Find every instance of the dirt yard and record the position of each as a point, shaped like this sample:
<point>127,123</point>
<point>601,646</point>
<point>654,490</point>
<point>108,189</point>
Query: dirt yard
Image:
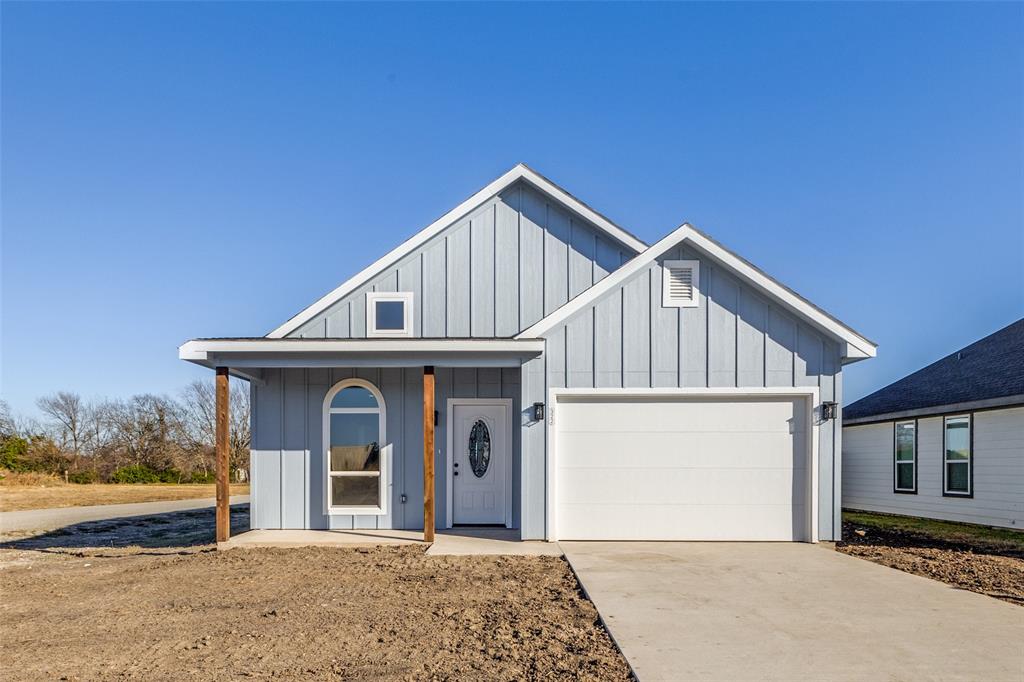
<point>975,558</point>
<point>17,497</point>
<point>161,612</point>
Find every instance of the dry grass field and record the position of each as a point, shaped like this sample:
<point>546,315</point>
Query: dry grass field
<point>50,492</point>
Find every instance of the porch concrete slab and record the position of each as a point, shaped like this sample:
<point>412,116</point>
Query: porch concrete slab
<point>311,538</point>
<point>781,611</point>
<point>489,541</point>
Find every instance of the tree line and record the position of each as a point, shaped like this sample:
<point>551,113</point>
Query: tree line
<point>143,439</point>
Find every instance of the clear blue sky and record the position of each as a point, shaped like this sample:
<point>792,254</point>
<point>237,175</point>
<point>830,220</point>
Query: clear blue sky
<point>180,170</point>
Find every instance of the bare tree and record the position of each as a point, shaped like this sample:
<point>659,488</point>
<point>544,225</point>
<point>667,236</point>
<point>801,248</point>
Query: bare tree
<point>67,414</point>
<point>199,409</point>
<point>7,427</point>
<point>147,429</point>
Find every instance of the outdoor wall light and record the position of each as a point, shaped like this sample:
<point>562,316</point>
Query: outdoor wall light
<point>828,410</point>
<point>538,412</point>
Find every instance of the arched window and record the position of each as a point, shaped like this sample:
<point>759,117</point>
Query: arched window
<point>354,434</point>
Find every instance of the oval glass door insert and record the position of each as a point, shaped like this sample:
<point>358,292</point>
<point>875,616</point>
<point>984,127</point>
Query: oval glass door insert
<point>479,448</point>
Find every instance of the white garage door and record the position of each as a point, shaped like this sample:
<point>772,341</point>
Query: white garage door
<point>681,468</point>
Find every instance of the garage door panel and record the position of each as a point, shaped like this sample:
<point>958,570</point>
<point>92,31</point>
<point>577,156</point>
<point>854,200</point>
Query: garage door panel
<point>646,415</point>
<point>678,486</point>
<point>680,449</point>
<point>681,469</point>
<point>716,486</point>
<point>683,522</point>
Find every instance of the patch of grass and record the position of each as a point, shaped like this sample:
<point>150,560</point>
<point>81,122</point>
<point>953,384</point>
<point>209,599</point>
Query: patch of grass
<point>949,531</point>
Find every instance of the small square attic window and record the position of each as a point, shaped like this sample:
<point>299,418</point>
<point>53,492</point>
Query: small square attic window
<point>388,314</point>
<point>680,283</point>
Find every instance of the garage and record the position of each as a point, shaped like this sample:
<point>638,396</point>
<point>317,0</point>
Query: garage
<point>684,465</point>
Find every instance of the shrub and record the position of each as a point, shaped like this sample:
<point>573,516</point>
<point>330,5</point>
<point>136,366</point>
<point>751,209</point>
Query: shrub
<point>137,473</point>
<point>88,476</point>
<point>13,454</point>
<point>201,477</point>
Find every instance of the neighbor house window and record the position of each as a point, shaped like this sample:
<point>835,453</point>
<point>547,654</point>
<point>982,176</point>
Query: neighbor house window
<point>957,458</point>
<point>354,430</point>
<point>905,454</point>
<point>389,314</point>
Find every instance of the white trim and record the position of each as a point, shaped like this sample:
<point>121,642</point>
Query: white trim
<point>520,172</point>
<point>374,297</point>
<point>666,283</point>
<point>861,347</point>
<point>385,448</point>
<point>896,461</point>
<point>810,393</point>
<point>449,444</point>
<point>201,349</point>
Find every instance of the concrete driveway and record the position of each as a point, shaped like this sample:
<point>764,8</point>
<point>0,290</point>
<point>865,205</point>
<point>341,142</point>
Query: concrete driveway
<point>780,611</point>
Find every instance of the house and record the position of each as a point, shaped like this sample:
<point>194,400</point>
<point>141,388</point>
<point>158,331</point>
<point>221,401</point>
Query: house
<point>525,362</point>
<point>946,442</point>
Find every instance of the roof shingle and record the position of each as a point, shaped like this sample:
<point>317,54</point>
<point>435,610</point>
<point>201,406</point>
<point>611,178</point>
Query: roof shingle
<point>992,367</point>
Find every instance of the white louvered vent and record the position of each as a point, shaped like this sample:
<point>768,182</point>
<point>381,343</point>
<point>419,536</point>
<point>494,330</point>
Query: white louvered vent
<point>680,283</point>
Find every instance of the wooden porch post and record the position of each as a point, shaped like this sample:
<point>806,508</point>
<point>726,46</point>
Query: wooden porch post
<point>223,466</point>
<point>428,454</point>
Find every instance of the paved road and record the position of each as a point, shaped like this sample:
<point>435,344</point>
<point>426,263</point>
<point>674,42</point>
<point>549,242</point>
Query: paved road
<point>49,519</point>
<point>791,611</point>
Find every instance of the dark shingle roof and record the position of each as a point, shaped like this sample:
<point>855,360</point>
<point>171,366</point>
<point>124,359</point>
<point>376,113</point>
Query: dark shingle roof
<point>990,368</point>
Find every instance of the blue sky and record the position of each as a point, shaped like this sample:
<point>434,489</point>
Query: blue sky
<point>180,170</point>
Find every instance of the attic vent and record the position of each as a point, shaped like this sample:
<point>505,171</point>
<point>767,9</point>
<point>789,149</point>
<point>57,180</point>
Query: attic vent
<point>680,283</point>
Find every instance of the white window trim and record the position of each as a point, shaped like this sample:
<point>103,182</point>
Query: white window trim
<point>372,298</point>
<point>666,276</point>
<point>969,462</point>
<point>896,462</point>
<point>385,450</point>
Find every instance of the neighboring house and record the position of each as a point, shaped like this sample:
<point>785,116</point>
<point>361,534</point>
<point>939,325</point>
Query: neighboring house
<point>946,442</point>
<point>586,386</point>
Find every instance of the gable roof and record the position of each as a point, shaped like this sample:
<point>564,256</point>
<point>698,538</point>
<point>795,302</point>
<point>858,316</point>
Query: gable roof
<point>520,172</point>
<point>990,369</point>
<point>857,346</point>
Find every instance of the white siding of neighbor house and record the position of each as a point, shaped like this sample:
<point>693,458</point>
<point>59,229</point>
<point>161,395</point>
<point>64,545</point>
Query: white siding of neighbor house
<point>998,471</point>
<point>492,273</point>
<point>287,456</point>
<point>734,337</point>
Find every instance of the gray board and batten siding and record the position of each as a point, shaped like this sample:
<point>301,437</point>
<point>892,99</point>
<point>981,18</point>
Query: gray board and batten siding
<point>734,338</point>
<point>480,278</point>
<point>287,462</point>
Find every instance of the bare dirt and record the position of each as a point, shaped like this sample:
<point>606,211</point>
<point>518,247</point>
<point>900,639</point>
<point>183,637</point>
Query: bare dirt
<point>994,569</point>
<point>60,494</point>
<point>75,612</point>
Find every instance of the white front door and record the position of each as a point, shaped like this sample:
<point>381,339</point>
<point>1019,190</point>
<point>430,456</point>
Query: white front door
<point>479,463</point>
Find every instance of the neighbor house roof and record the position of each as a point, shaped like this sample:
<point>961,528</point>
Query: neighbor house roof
<point>521,172</point>
<point>856,346</point>
<point>987,373</point>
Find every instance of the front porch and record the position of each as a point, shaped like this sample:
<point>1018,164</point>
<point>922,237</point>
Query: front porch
<point>318,464</point>
<point>448,542</point>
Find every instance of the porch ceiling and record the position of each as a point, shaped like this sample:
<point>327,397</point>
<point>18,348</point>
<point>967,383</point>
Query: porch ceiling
<point>256,353</point>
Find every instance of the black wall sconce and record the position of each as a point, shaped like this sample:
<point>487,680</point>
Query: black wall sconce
<point>829,410</point>
<point>538,412</point>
